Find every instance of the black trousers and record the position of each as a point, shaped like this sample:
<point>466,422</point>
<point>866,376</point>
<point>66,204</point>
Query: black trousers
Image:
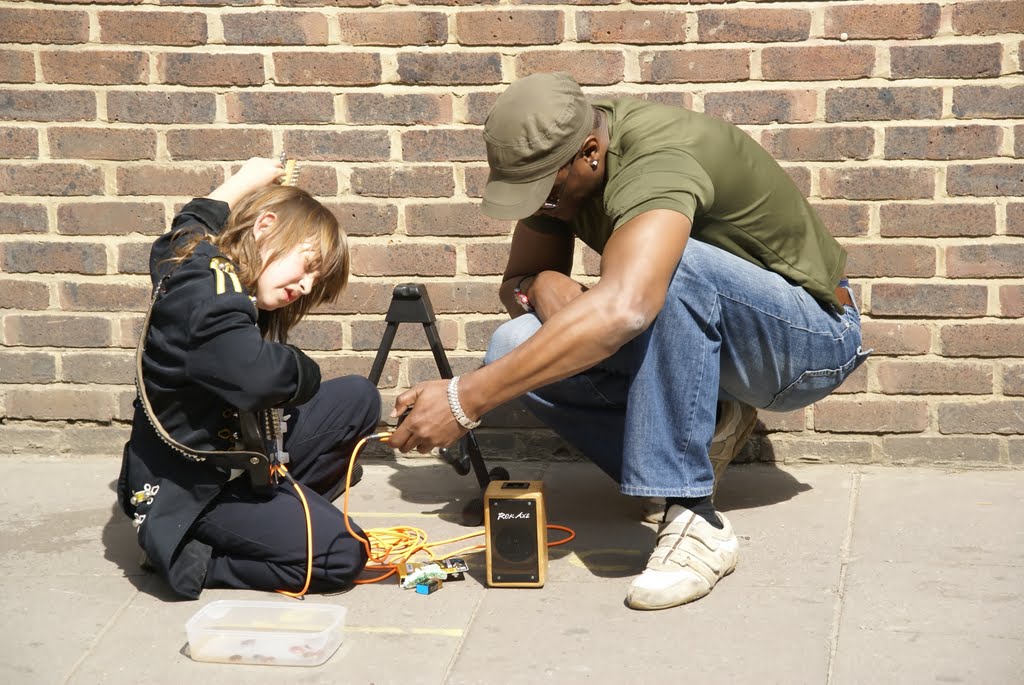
<point>260,543</point>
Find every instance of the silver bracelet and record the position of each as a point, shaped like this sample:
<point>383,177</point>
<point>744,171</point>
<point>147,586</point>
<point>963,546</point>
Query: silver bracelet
<point>456,407</point>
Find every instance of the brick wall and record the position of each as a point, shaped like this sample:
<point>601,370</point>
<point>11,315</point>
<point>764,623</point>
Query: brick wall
<point>903,121</point>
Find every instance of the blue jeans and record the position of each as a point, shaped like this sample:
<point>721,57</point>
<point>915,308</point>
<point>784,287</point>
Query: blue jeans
<point>729,330</point>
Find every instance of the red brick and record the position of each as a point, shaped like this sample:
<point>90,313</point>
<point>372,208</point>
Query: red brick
<point>590,260</point>
<point>20,294</point>
<point>402,110</point>
<point>1011,301</point>
<point>51,178</point>
<point>111,218</point>
<point>275,28</point>
<point>988,102</point>
<point>801,177</point>
<point>444,69</point>
<point>487,259</point>
<point>986,179</point>
<point>95,67</point>
<point>327,68</point>
<point>928,300</point>
<point>362,218</point>
<point>319,334</point>
<point>336,366</point>
<point>349,146</point>
<point>880,104</point>
<point>18,143</point>
<point>844,219</point>
<point>224,143</point>
<point>933,220</point>
<point>945,61</point>
<point>817,63</point>
<point>361,298</point>
<point>48,258</point>
<point>466,297</point>
<point>1015,218</point>
<point>161,108</point>
<point>672,98</point>
<point>60,403</point>
<point>1001,417</point>
<point>18,217</point>
<point>66,105</point>
<point>195,69</point>
<point>292,107</point>
<point>985,261</point>
<point>878,183</point>
<point>911,21</point>
<point>988,17</point>
<point>17,66</point>
<point>452,219</point>
<point>443,145</point>
<point>103,297</point>
<point>133,258</point>
<point>1016,448</point>
<point>153,28</point>
<point>1013,379</point>
<point>102,143</point>
<point>28,367</point>
<point>478,333</point>
<point>700,65</point>
<point>403,259</point>
<point>916,449</point>
<point>149,179</point>
<point>476,178</point>
<point>781,422</point>
<point>43,26</point>
<point>896,377</point>
<point>879,260</point>
<point>982,340</point>
<point>894,338</point>
<point>828,450</point>
<point>1018,142</point>
<point>755,25</point>
<point>425,369</point>
<point>819,144</point>
<point>127,330</point>
<point>366,335</point>
<point>857,382</point>
<point>47,330</point>
<point>405,181</point>
<point>589,67</point>
<point>763,107</point>
<point>844,415</point>
<point>643,27</point>
<point>510,27</point>
<point>394,27</point>
<point>942,142</point>
<point>109,368</point>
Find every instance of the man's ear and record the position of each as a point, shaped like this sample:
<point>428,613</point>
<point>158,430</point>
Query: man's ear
<point>263,223</point>
<point>591,147</point>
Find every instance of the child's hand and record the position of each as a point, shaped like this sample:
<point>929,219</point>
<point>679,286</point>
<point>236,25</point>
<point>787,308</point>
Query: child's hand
<point>256,173</point>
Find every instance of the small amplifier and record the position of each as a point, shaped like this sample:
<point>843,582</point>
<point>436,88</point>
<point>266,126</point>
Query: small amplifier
<point>516,528</point>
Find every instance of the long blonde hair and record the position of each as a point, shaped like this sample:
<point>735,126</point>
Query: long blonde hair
<point>300,219</point>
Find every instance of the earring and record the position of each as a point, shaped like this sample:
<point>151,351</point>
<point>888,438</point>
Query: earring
<point>593,164</point>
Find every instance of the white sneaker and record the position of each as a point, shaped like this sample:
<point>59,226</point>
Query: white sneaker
<point>690,558</point>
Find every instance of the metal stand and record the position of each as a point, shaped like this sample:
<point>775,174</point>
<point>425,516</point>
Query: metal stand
<point>410,304</point>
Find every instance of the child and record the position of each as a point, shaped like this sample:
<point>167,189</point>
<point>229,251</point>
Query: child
<point>236,272</point>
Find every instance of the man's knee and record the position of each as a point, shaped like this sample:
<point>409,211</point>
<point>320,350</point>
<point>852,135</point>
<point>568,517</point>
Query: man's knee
<point>511,335</point>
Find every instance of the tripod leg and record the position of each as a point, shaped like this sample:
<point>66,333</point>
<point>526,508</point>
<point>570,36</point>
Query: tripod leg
<point>382,352</point>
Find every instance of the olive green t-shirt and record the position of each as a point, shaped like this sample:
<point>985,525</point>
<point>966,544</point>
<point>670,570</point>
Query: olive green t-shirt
<point>736,196</point>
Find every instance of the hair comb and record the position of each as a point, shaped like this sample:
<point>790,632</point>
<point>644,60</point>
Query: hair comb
<point>291,171</point>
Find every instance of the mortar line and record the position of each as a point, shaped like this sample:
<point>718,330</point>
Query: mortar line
<point>87,652</point>
<point>462,639</point>
<point>844,562</point>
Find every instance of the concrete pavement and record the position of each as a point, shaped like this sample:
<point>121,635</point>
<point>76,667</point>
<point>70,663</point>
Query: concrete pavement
<point>846,575</point>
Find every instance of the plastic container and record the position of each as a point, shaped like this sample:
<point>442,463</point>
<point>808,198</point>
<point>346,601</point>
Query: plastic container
<point>269,633</point>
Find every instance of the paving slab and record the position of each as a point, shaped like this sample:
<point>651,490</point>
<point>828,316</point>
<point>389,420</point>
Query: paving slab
<point>847,575</point>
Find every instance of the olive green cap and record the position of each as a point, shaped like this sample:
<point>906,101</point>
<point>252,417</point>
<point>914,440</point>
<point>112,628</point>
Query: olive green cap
<point>535,127</point>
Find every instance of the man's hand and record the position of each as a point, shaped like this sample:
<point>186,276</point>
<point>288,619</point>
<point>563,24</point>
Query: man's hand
<point>430,424</point>
<point>256,173</point>
<point>550,291</point>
